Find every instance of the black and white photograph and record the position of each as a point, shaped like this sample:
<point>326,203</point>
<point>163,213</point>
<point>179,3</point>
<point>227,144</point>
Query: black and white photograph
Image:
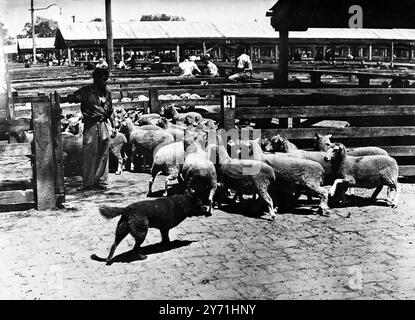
<point>227,151</point>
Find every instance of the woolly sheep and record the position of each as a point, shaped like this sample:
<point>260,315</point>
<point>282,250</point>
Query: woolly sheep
<point>368,172</point>
<point>247,176</point>
<point>322,143</point>
<point>295,175</point>
<point>199,173</point>
<point>168,160</point>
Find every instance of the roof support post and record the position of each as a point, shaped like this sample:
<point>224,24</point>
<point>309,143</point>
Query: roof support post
<point>69,56</point>
<point>370,52</point>
<point>392,50</point>
<point>122,53</point>
<point>110,40</point>
<point>86,55</point>
<point>177,53</point>
<point>204,48</point>
<point>283,61</point>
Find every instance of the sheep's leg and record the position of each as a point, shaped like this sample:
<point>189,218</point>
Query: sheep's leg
<point>397,190</point>
<point>323,194</point>
<point>334,186</point>
<point>120,164</point>
<point>376,192</point>
<point>262,190</point>
<point>150,184</point>
<point>166,184</point>
<point>211,194</point>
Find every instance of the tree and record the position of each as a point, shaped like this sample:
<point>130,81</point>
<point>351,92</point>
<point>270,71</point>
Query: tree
<point>44,28</point>
<point>160,17</point>
<point>7,40</point>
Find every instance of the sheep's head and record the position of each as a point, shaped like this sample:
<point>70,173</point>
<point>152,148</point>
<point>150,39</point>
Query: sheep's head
<point>143,121</point>
<point>280,144</point>
<point>162,122</point>
<point>322,143</point>
<point>266,144</point>
<point>335,151</point>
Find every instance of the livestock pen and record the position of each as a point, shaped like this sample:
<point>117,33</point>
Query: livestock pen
<point>378,117</point>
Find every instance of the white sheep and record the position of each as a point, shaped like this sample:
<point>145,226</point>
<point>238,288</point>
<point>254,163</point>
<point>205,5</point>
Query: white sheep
<point>322,143</point>
<point>168,160</point>
<point>295,175</point>
<point>363,172</point>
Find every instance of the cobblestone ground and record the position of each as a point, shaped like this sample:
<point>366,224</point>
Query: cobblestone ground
<point>231,255</point>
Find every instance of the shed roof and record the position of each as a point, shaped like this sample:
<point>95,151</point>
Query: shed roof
<point>41,43</point>
<point>171,30</point>
<point>303,14</point>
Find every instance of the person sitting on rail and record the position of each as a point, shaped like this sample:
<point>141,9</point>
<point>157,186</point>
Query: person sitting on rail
<point>102,64</point>
<point>188,68</point>
<point>211,68</point>
<point>157,66</point>
<point>243,65</point>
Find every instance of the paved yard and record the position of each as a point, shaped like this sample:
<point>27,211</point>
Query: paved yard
<point>231,255</point>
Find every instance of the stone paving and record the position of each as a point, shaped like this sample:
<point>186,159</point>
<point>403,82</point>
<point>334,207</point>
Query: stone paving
<point>231,255</point>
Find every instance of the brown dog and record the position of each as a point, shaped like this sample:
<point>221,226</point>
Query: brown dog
<point>162,213</point>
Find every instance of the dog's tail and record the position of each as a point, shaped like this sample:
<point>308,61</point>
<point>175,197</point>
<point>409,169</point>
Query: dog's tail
<point>110,212</point>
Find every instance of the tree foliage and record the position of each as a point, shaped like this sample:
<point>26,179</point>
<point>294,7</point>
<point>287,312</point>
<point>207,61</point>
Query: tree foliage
<point>44,28</point>
<point>7,39</point>
<point>160,17</point>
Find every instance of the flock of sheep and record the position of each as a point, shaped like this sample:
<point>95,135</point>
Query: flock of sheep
<point>190,148</point>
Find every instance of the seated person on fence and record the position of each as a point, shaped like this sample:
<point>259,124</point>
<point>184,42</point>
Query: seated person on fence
<point>157,66</point>
<point>211,68</point>
<point>243,66</point>
<point>102,64</point>
<point>96,108</point>
<point>188,68</point>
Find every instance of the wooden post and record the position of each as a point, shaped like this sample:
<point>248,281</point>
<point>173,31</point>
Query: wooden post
<point>204,48</point>
<point>276,52</point>
<point>57,149</point>
<point>110,40</point>
<point>154,100</point>
<point>370,52</point>
<point>177,53</point>
<point>283,63</point>
<point>227,111</point>
<point>259,53</point>
<point>44,166</point>
<point>361,53</point>
<point>313,51</point>
<point>86,55</point>
<point>220,53</point>
<point>251,52</point>
<point>392,50</point>
<point>9,100</point>
<point>69,56</point>
<point>122,53</point>
<point>324,52</point>
<point>411,54</point>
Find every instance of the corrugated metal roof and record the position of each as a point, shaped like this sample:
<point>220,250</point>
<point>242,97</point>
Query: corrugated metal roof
<point>41,43</point>
<point>218,30</point>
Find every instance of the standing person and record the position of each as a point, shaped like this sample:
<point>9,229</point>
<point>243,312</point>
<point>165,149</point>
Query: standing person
<point>211,68</point>
<point>96,108</point>
<point>243,66</point>
<point>188,68</point>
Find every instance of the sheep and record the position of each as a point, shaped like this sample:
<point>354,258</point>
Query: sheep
<point>117,149</point>
<point>367,172</point>
<point>283,145</point>
<point>247,177</point>
<point>322,143</point>
<point>143,143</point>
<point>187,118</point>
<point>176,131</point>
<point>169,161</point>
<point>277,146</point>
<point>198,172</point>
<point>295,175</point>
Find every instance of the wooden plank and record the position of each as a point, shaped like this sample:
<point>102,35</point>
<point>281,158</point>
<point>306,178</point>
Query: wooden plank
<point>324,111</point>
<point>8,185</point>
<point>324,91</point>
<point>16,197</point>
<point>30,99</point>
<point>15,149</point>
<point>407,170</point>
<point>348,132</point>
<point>57,149</point>
<point>15,125</point>
<point>44,163</point>
<point>400,151</point>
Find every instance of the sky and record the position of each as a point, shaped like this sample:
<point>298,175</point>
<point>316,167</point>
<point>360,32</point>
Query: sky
<point>15,13</point>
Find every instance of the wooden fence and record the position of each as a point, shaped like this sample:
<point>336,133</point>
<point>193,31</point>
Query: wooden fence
<point>45,188</point>
<point>378,117</point>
